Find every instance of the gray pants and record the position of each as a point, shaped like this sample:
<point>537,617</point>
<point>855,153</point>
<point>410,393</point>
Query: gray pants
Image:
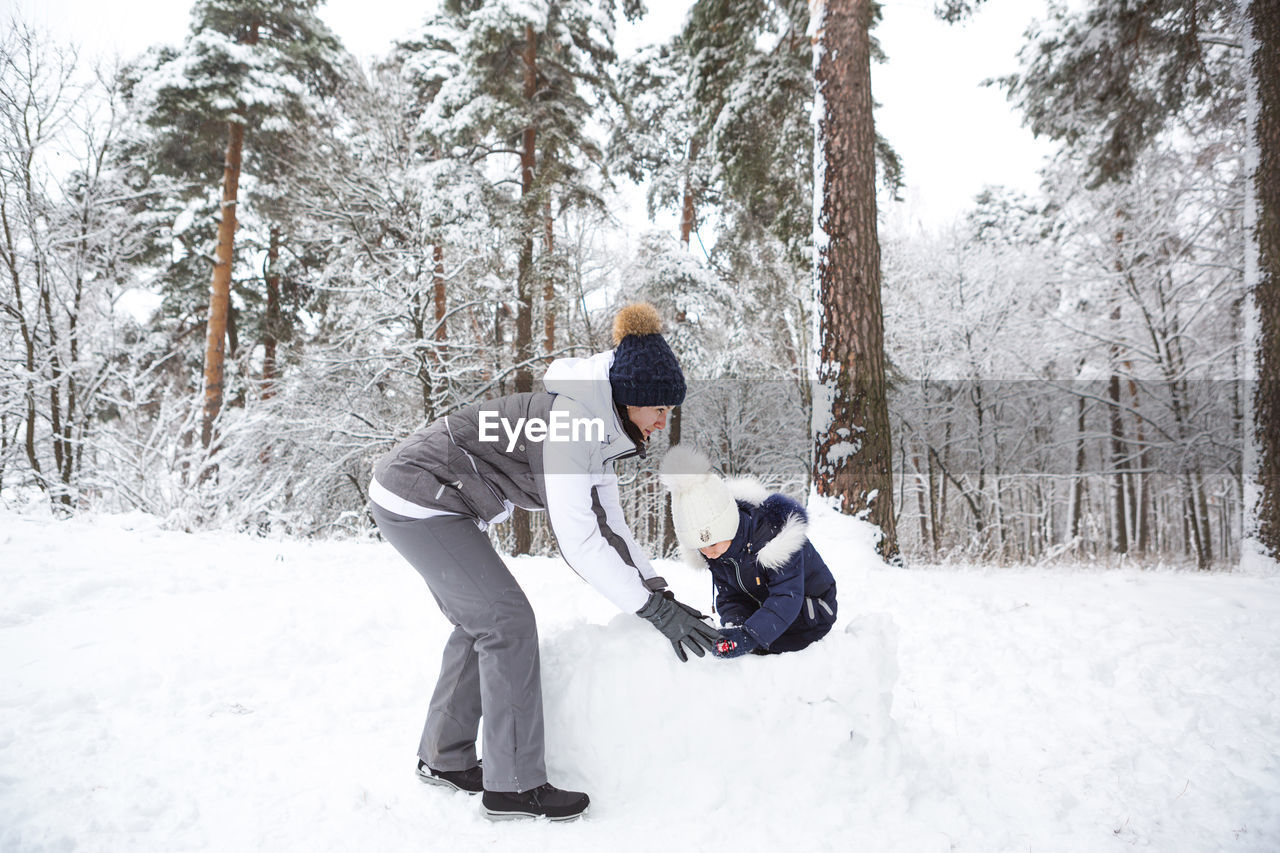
<point>490,664</point>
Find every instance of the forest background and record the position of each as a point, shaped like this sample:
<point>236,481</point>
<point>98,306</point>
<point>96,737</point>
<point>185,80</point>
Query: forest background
<point>1066,364</point>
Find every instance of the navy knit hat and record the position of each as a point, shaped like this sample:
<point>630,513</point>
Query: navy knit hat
<point>644,370</point>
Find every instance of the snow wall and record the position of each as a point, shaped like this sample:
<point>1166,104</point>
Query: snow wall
<point>640,730</point>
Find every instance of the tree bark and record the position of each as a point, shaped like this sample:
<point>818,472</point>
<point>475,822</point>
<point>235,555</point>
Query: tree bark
<point>29,350</point>
<point>1120,530</point>
<point>1264,31</point>
<point>548,286</point>
<point>935,520</point>
<point>437,290</point>
<point>1120,535</point>
<point>500,311</point>
<point>668,526</point>
<point>1140,483</point>
<point>943,487</point>
<point>920,501</point>
<point>61,451</point>
<point>220,289</point>
<point>853,446</point>
<point>524,283</point>
<point>271,330</point>
<point>688,208</point>
<point>1077,482</point>
<point>1205,558</point>
<point>528,165</point>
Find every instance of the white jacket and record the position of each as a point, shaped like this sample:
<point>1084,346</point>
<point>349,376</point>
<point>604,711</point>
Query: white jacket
<point>582,490</point>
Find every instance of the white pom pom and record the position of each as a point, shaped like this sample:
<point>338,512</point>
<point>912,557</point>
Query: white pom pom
<point>684,468</point>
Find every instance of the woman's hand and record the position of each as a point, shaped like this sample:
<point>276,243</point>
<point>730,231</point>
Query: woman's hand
<point>680,624</point>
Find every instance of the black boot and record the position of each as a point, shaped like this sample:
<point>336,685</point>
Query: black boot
<point>543,801</point>
<point>470,780</point>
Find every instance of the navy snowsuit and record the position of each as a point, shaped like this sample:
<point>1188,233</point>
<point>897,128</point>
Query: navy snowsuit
<point>771,580</point>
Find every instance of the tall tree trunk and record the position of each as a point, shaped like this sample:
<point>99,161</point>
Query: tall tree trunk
<point>1077,483</point>
<point>529,219</point>
<point>437,292</point>
<point>944,486</point>
<point>997,475</point>
<point>61,452</point>
<point>1140,482</point>
<point>29,351</point>
<point>220,289</point>
<point>920,501</point>
<point>1120,530</point>
<point>688,209</point>
<point>1205,559</point>
<point>935,533</point>
<point>1044,518</point>
<point>548,286</point>
<point>271,331</point>
<point>1190,534</point>
<point>674,422</point>
<point>500,310</point>
<point>1120,536</point>
<point>524,284</point>
<point>677,414</point>
<point>1264,60</point>
<point>432,375</point>
<point>979,506</point>
<point>1191,523</point>
<point>853,458</point>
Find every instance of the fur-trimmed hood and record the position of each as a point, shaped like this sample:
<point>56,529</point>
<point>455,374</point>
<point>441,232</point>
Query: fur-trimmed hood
<point>769,511</point>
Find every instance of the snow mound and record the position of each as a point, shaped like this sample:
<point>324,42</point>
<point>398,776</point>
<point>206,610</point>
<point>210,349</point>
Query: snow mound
<point>644,732</point>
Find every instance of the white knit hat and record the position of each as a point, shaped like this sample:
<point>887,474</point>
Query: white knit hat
<point>703,510</point>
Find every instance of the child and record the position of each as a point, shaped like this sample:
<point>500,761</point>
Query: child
<point>773,592</point>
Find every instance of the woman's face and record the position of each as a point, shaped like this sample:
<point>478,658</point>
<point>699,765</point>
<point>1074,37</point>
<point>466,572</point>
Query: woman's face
<point>649,418</point>
<point>713,551</point>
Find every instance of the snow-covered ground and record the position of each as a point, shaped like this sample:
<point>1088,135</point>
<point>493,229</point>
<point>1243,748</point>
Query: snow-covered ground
<point>162,691</point>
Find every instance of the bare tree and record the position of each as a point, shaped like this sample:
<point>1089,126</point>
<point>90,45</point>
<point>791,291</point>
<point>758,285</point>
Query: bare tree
<point>64,245</point>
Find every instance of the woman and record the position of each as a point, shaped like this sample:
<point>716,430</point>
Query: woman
<point>437,491</point>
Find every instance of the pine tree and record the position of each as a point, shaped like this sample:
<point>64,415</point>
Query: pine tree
<point>853,446</point>
<point>526,80</point>
<point>659,142</point>
<point>240,83</point>
<point>1109,79</point>
<point>720,127</point>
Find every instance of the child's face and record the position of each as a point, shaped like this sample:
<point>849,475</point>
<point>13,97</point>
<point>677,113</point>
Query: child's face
<point>713,551</point>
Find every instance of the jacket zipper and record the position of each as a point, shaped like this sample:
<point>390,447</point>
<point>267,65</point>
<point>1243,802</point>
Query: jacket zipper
<point>626,454</point>
<point>737,570</point>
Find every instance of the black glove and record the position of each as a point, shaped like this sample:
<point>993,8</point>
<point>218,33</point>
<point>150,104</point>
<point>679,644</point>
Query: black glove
<point>680,624</point>
<point>686,608</point>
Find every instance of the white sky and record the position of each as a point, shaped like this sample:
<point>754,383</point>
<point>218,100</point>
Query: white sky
<point>953,135</point>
